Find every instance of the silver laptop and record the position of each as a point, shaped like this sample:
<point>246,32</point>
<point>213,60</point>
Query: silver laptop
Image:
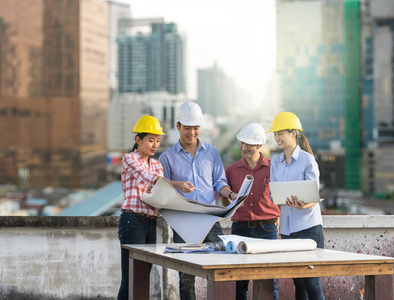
<point>305,190</point>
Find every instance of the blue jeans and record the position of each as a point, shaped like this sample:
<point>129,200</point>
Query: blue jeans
<point>186,281</point>
<point>133,229</point>
<point>308,288</point>
<point>263,232</point>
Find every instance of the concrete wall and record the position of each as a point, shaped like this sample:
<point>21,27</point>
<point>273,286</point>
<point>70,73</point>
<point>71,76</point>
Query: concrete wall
<point>79,257</point>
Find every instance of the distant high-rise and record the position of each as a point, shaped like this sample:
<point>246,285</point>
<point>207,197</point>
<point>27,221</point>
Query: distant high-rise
<point>378,95</point>
<point>127,108</point>
<point>216,91</point>
<point>335,59</point>
<point>310,62</point>
<point>151,57</point>
<point>116,11</point>
<point>53,91</point>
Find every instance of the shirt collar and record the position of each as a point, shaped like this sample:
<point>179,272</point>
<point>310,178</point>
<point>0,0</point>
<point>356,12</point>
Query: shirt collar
<point>139,155</point>
<point>263,161</point>
<point>201,145</point>
<point>295,154</point>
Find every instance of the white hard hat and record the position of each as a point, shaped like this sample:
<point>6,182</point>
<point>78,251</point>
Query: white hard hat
<point>189,114</point>
<point>252,134</point>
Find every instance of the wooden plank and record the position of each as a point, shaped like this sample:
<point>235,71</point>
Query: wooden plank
<point>174,264</point>
<point>384,287</point>
<point>221,290</point>
<point>369,288</point>
<point>263,289</point>
<point>154,254</point>
<point>139,272</point>
<point>379,287</point>
<point>303,271</point>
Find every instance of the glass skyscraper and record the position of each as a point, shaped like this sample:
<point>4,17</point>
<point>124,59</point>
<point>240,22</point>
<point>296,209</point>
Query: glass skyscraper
<point>310,61</point>
<point>151,57</point>
<point>335,60</point>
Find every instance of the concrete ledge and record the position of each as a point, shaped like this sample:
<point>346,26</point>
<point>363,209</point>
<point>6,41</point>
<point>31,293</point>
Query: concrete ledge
<point>79,257</point>
<point>334,221</point>
<point>358,221</point>
<point>59,222</point>
<point>65,222</point>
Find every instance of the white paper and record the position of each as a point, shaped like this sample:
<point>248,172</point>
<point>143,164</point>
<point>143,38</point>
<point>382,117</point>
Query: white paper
<point>253,245</point>
<point>191,219</point>
<point>244,190</point>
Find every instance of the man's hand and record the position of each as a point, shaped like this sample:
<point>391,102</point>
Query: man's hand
<point>184,186</point>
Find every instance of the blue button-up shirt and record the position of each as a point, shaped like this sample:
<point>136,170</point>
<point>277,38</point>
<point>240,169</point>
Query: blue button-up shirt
<point>205,171</point>
<point>302,166</point>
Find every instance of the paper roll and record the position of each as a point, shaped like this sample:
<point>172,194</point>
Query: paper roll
<point>265,246</point>
<point>230,247</point>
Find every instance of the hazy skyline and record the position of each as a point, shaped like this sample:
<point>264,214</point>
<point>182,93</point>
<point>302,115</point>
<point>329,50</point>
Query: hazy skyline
<point>239,35</point>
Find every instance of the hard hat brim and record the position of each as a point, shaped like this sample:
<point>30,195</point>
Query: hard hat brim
<point>190,123</point>
<point>158,132</point>
<point>275,130</point>
<point>248,141</point>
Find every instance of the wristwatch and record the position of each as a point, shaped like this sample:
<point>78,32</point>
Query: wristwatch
<point>229,195</point>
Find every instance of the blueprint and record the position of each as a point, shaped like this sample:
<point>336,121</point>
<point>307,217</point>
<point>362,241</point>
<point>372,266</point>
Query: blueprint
<point>191,219</point>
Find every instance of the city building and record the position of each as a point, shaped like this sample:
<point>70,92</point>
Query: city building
<point>310,62</point>
<point>116,11</point>
<point>53,91</point>
<point>126,108</point>
<point>151,57</point>
<point>218,94</point>
<point>335,61</point>
<point>378,95</point>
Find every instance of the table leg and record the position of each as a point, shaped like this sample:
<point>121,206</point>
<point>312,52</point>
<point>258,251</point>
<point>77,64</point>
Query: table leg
<point>139,272</point>
<point>263,289</point>
<point>379,287</point>
<point>220,290</point>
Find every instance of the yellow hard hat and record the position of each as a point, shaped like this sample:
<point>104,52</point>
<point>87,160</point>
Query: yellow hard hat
<point>148,124</point>
<point>285,120</point>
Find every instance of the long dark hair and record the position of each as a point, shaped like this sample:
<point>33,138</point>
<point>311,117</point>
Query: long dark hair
<point>302,141</point>
<point>141,135</point>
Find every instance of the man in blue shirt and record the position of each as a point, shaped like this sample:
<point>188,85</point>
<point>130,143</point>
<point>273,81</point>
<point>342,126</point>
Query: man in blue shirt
<point>199,163</point>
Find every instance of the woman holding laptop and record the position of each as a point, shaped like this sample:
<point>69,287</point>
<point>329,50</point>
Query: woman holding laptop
<point>297,219</point>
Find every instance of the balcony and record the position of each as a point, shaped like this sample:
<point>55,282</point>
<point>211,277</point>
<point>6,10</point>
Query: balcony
<point>79,257</point>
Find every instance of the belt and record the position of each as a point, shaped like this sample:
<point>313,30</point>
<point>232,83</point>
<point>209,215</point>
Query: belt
<point>141,214</point>
<point>258,223</point>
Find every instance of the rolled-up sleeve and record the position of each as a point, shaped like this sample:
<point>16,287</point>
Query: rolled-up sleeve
<point>219,176</point>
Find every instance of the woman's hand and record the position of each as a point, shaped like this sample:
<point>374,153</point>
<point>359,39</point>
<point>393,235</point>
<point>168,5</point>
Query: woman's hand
<point>293,202</point>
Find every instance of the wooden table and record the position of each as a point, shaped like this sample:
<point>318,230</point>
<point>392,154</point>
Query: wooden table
<point>221,270</point>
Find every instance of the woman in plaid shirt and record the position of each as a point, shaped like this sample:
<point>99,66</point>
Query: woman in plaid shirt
<point>137,223</point>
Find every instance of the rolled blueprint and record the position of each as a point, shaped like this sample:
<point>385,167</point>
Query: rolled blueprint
<point>246,186</point>
<point>232,247</point>
<point>266,246</point>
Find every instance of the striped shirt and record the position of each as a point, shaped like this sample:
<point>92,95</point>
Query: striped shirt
<point>137,177</point>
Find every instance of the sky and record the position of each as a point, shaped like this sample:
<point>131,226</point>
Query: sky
<point>239,35</point>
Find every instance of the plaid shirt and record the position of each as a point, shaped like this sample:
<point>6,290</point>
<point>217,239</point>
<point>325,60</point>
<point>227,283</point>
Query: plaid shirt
<point>137,177</point>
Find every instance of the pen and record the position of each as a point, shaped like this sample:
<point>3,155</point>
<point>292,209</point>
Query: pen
<point>195,188</point>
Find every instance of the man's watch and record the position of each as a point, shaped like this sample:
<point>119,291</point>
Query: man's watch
<point>229,195</point>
